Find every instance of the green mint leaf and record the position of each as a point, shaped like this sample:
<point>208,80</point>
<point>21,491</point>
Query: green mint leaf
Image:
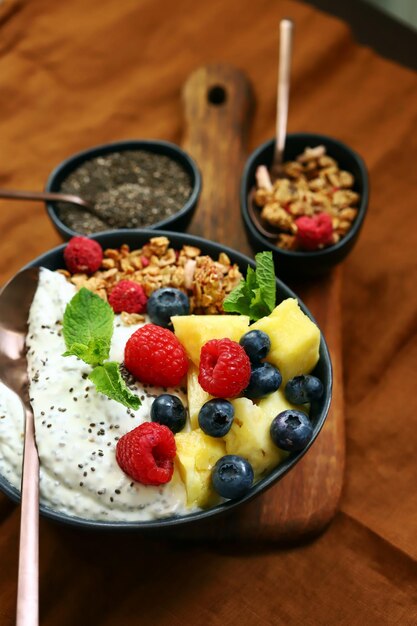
<point>251,281</point>
<point>265,277</point>
<point>258,308</point>
<point>78,350</point>
<point>238,301</point>
<point>108,380</point>
<point>88,327</point>
<point>93,354</point>
<point>255,295</point>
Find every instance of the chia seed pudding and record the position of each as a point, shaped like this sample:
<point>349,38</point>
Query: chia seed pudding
<point>128,189</point>
<point>79,474</point>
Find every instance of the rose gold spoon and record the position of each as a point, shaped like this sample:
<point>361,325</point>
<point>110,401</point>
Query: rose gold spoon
<point>15,300</point>
<point>286,28</point>
<point>49,196</point>
<point>283,94</point>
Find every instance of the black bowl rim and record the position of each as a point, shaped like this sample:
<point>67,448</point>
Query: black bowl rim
<point>298,254</point>
<point>125,144</point>
<point>263,484</point>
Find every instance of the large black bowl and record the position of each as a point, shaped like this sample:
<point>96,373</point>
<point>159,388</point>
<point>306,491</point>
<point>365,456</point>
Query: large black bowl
<point>54,260</point>
<point>297,263</point>
<point>178,221</point>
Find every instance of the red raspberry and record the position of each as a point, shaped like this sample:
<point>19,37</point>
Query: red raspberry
<point>147,453</point>
<point>83,255</point>
<point>314,232</point>
<point>224,368</point>
<point>128,296</point>
<point>154,355</point>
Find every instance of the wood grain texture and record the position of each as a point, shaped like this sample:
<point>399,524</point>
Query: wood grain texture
<point>303,502</point>
<point>218,106</point>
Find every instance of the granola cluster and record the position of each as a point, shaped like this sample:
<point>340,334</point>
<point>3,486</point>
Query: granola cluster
<point>313,184</point>
<point>157,264</point>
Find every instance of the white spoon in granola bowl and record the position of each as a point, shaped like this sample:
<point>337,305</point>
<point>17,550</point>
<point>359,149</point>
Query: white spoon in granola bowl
<point>86,479</point>
<point>265,177</point>
<point>15,301</point>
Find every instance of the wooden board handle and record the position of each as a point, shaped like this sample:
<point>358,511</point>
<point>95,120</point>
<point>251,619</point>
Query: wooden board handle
<point>218,106</point>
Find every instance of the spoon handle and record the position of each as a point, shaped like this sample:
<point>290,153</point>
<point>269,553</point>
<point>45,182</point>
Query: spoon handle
<point>50,196</point>
<point>285,47</point>
<point>28,575</point>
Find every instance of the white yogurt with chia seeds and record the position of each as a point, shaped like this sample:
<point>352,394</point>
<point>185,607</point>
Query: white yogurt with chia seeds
<point>77,428</point>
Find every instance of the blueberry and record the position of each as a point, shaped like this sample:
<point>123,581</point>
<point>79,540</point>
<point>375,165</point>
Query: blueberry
<point>264,379</point>
<point>291,430</point>
<point>256,344</point>
<point>216,417</point>
<point>232,476</point>
<point>303,389</point>
<point>168,410</point>
<point>165,302</point>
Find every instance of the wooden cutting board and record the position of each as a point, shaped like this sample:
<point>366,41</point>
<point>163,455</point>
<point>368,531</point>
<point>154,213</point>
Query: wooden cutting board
<point>218,104</point>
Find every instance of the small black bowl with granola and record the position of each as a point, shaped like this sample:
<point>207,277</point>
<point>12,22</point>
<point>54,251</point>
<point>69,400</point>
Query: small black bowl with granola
<point>316,207</point>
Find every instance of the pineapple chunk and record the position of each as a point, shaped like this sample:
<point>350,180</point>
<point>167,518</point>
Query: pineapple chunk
<point>196,395</point>
<point>197,453</point>
<point>295,339</point>
<point>249,436</point>
<point>276,402</point>
<point>194,330</point>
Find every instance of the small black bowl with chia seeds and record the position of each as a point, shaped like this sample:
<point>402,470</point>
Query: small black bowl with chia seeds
<point>131,184</point>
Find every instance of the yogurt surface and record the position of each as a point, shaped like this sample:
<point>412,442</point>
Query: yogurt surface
<point>77,428</point>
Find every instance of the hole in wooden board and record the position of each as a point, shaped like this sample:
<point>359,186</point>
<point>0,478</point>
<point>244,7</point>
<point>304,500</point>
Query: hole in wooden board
<point>217,95</point>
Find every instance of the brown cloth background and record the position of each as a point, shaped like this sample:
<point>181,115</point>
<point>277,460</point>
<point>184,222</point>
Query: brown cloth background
<point>74,74</point>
